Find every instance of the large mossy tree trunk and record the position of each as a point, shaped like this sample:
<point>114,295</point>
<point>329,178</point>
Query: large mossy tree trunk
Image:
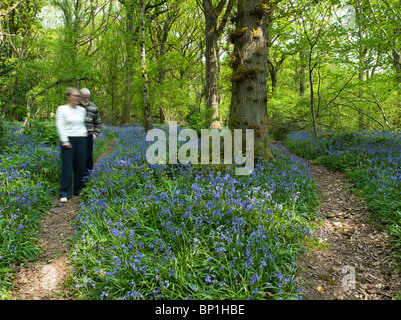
<point>248,108</point>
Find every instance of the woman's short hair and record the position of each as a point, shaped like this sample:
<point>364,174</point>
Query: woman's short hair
<point>70,90</point>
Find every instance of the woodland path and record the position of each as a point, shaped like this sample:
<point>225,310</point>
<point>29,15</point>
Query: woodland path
<point>45,277</point>
<point>355,260</point>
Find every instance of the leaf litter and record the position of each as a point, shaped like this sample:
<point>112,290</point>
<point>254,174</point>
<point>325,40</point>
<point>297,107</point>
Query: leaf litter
<point>354,260</point>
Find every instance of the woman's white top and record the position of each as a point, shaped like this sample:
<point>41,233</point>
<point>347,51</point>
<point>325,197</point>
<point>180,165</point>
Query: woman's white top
<point>70,122</point>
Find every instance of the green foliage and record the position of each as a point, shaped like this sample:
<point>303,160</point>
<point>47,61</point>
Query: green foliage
<point>280,126</point>
<point>199,121</point>
<point>3,133</point>
<point>42,132</point>
<point>17,58</point>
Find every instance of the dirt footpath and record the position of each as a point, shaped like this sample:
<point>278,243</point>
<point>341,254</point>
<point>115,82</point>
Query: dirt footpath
<point>43,279</point>
<point>355,260</point>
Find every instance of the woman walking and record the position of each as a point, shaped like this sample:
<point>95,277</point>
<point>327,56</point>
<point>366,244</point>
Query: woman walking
<point>70,123</point>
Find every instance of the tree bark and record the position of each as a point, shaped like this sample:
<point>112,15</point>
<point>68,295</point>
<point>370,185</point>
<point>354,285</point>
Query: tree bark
<point>312,97</point>
<point>274,67</point>
<point>361,59</point>
<point>213,31</point>
<point>248,109</point>
<point>129,83</point>
<point>162,48</point>
<point>397,63</point>
<point>145,82</point>
<point>211,53</point>
<point>302,74</point>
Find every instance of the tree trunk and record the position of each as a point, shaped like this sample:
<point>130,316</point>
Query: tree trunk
<point>361,73</point>
<point>302,75</point>
<point>361,64</point>
<point>312,100</point>
<point>273,70</point>
<point>114,107</point>
<point>129,82</point>
<point>211,53</point>
<point>162,115</point>
<point>273,77</point>
<point>213,31</point>
<point>272,64</point>
<point>397,66</point>
<point>163,38</point>
<point>397,63</point>
<point>145,82</point>
<point>248,109</point>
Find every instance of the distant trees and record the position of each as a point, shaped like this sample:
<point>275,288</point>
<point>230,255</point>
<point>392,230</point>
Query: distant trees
<point>273,66</point>
<point>216,18</point>
<point>18,25</point>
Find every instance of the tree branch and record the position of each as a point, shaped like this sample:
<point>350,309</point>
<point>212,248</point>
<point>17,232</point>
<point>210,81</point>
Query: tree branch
<point>55,84</point>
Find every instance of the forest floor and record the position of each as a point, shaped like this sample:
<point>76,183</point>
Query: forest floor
<point>45,277</point>
<point>353,261</point>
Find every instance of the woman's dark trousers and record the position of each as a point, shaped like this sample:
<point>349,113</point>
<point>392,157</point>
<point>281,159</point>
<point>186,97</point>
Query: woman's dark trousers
<point>73,166</point>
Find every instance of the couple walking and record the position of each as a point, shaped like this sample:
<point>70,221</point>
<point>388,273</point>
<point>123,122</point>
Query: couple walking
<point>78,125</point>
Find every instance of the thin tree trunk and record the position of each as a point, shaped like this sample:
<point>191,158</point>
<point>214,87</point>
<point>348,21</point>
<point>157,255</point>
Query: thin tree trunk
<point>213,31</point>
<point>211,53</point>
<point>273,77</point>
<point>145,82</point>
<point>129,82</point>
<point>302,75</point>
<point>361,57</point>
<point>273,70</point>
<point>312,96</point>
<point>161,52</point>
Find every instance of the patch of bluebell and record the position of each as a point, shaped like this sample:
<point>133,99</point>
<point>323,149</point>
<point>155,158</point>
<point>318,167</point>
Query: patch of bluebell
<point>371,159</point>
<point>191,232</point>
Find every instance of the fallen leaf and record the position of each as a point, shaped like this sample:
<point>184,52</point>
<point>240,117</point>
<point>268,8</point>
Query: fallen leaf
<point>320,289</point>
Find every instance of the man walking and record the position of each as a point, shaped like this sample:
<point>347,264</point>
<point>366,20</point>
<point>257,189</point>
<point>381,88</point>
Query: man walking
<point>93,125</point>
